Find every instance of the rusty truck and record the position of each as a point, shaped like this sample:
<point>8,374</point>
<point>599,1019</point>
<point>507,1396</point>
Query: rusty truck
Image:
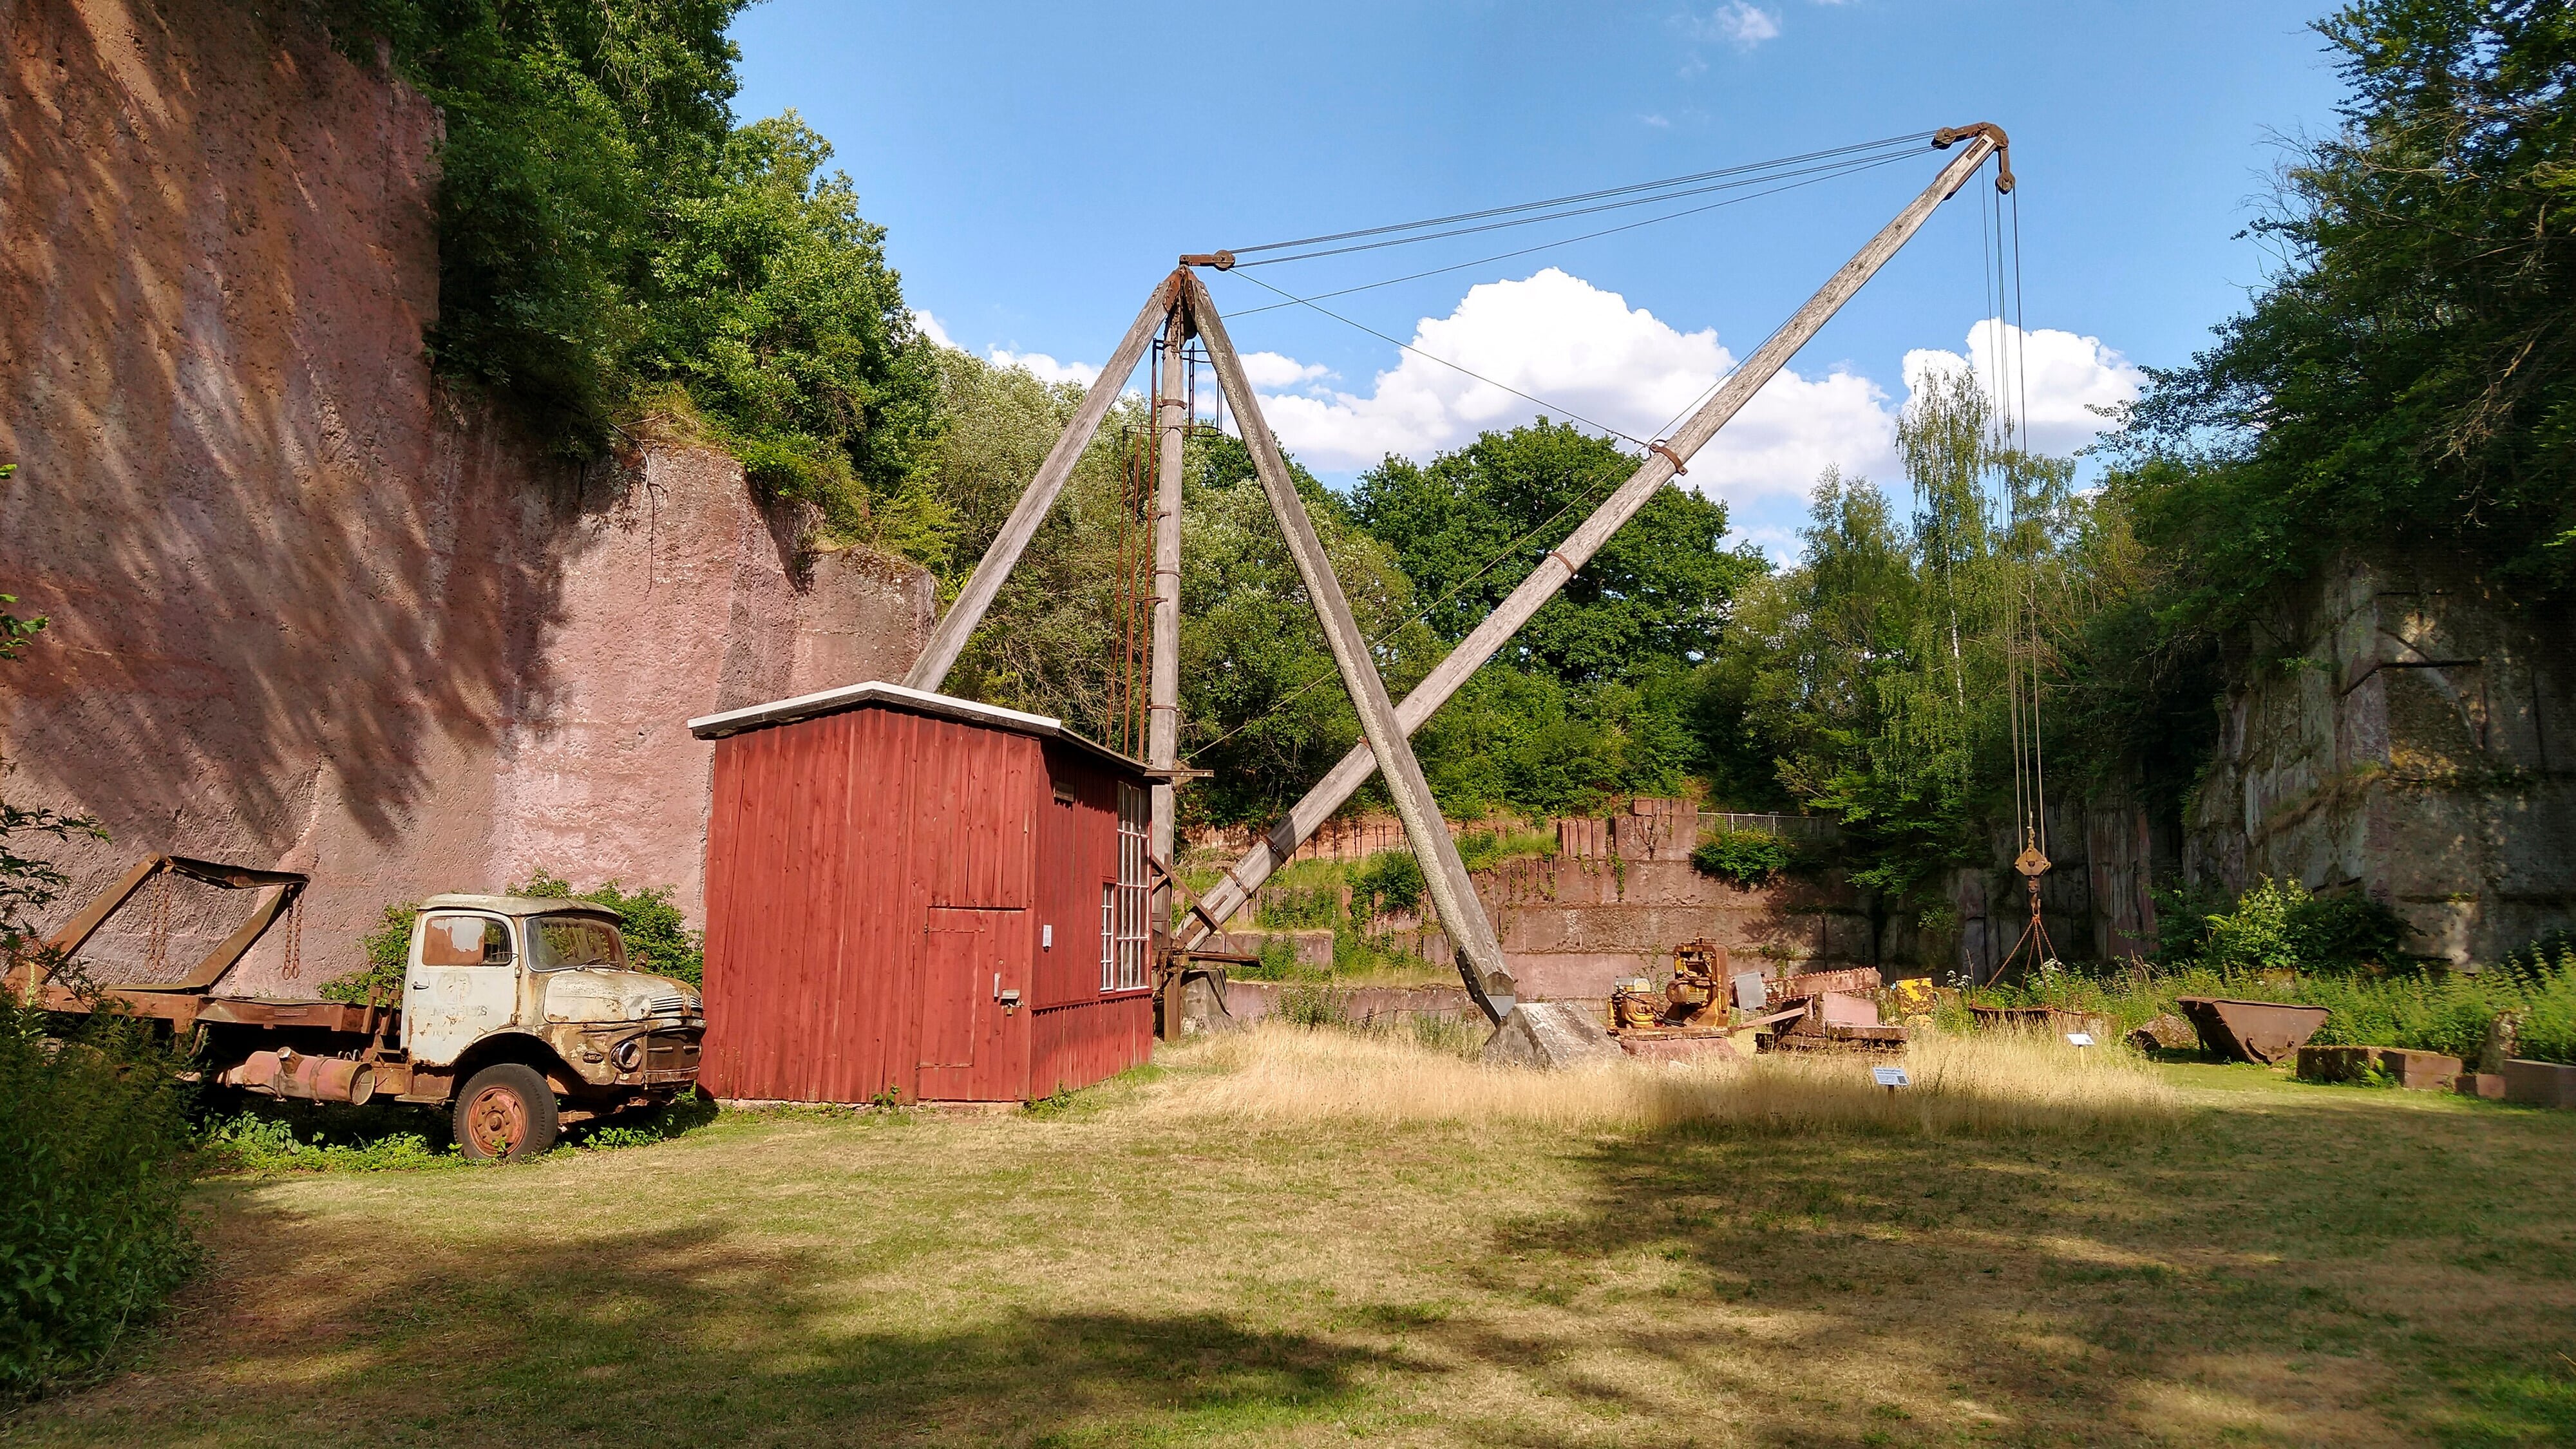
<point>518,1015</point>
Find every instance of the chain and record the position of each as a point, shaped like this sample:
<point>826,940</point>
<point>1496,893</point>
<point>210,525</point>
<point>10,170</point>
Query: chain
<point>156,943</point>
<point>294,966</point>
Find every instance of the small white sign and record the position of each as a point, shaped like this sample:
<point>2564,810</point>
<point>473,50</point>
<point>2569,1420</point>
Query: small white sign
<point>2079,1038</point>
<point>1890,1076</point>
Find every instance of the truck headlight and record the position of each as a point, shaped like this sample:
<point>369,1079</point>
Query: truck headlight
<point>628,1053</point>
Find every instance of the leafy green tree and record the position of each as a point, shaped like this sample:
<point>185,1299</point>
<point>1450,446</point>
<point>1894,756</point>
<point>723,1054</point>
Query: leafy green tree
<point>2408,376</point>
<point>770,302</point>
<point>1874,678</point>
<point>1469,526</point>
<point>611,246</point>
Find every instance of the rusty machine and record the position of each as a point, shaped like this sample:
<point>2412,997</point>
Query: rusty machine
<point>1701,1009</point>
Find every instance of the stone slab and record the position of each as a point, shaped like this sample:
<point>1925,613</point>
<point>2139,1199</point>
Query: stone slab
<point>1549,1035</point>
<point>2419,1070</point>
<point>2539,1084</point>
<point>2333,1063</point>
<point>2486,1085</point>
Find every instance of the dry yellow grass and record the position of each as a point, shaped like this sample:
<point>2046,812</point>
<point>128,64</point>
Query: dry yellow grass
<point>2297,1266</point>
<point>1992,1083</point>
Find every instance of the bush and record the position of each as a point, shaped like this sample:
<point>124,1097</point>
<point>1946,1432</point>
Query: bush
<point>1746,858</point>
<point>2277,926</point>
<point>1486,849</point>
<point>388,951</point>
<point>94,1122</point>
<point>1313,1004</point>
<point>1388,883</point>
<point>658,937</point>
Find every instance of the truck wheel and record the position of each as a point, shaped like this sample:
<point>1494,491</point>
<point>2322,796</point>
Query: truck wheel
<point>506,1112</point>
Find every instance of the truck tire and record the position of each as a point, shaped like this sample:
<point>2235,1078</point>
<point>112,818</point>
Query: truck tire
<point>505,1113</point>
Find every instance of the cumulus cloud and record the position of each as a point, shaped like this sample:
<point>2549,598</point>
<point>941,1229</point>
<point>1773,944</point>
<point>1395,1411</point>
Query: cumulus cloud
<point>1737,23</point>
<point>1271,370</point>
<point>1595,358</point>
<point>1046,368</point>
<point>2062,378</point>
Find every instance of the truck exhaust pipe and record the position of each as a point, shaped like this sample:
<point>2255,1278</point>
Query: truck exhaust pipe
<point>289,1073</point>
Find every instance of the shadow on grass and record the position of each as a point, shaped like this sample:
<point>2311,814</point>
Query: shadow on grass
<point>682,1337</point>
<point>2059,1280</point>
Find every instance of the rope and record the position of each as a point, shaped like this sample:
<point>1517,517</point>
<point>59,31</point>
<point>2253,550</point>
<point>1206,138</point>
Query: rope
<point>1662,185</point>
<point>1853,170</point>
<point>1831,168</point>
<point>1564,412</point>
<point>1506,551</point>
<point>294,966</point>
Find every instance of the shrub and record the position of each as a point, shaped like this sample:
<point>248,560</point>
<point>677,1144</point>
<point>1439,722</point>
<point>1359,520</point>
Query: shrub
<point>1746,858</point>
<point>2278,926</point>
<point>388,951</point>
<point>1312,1004</point>
<point>1486,849</point>
<point>94,1121</point>
<point>658,937</point>
<point>1388,883</point>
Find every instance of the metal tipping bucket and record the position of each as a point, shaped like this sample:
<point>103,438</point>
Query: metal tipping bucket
<point>2251,1031</point>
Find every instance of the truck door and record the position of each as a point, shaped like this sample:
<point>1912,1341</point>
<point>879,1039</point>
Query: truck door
<point>463,984</point>
<point>968,977</point>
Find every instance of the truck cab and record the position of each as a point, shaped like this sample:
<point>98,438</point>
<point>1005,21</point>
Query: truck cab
<point>520,1014</point>
<point>527,1010</point>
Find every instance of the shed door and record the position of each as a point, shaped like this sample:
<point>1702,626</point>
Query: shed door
<point>967,968</point>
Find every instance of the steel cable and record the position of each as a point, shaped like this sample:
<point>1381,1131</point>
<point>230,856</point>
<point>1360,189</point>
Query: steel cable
<point>1663,185</point>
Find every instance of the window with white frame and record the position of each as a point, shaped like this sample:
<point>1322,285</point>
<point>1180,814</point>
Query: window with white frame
<point>1123,904</point>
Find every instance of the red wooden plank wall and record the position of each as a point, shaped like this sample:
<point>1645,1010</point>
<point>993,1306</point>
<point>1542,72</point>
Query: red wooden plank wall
<point>1077,1045</point>
<point>834,843</point>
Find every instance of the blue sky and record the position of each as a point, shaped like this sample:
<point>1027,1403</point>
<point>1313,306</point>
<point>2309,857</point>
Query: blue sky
<point>1039,166</point>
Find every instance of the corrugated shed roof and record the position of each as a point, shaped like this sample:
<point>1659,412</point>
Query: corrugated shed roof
<point>877,694</point>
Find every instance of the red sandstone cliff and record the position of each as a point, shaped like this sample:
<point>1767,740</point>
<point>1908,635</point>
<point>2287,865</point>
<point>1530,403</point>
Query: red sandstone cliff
<point>308,608</point>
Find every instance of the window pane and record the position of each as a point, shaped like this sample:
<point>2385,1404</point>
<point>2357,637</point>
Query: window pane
<point>464,941</point>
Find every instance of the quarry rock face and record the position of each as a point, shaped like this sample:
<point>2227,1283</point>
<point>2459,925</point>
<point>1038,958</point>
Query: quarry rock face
<point>310,609</point>
<point>2416,740</point>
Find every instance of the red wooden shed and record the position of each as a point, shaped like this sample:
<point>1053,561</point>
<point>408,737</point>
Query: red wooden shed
<point>924,895</point>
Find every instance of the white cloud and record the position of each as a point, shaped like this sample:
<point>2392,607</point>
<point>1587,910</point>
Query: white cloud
<point>1046,368</point>
<point>1271,370</point>
<point>1737,22</point>
<point>2059,376</point>
<point>1589,353</point>
<point>929,327</point>
<point>1558,337</point>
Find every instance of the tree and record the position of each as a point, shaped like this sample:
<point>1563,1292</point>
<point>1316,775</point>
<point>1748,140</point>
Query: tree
<point>1875,677</point>
<point>1469,526</point>
<point>2410,371</point>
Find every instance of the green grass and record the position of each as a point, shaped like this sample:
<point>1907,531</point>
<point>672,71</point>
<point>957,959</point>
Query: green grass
<point>2297,1265</point>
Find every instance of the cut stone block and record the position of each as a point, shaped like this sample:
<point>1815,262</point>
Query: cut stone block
<point>2541,1084</point>
<point>1549,1034</point>
<point>1837,1008</point>
<point>2487,1085</point>
<point>2333,1063</point>
<point>2421,1071</point>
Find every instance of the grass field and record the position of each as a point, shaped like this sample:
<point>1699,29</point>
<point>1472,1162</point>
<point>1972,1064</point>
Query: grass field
<point>1189,1255</point>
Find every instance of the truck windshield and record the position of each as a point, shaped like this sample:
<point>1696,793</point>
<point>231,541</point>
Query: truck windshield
<point>560,942</point>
